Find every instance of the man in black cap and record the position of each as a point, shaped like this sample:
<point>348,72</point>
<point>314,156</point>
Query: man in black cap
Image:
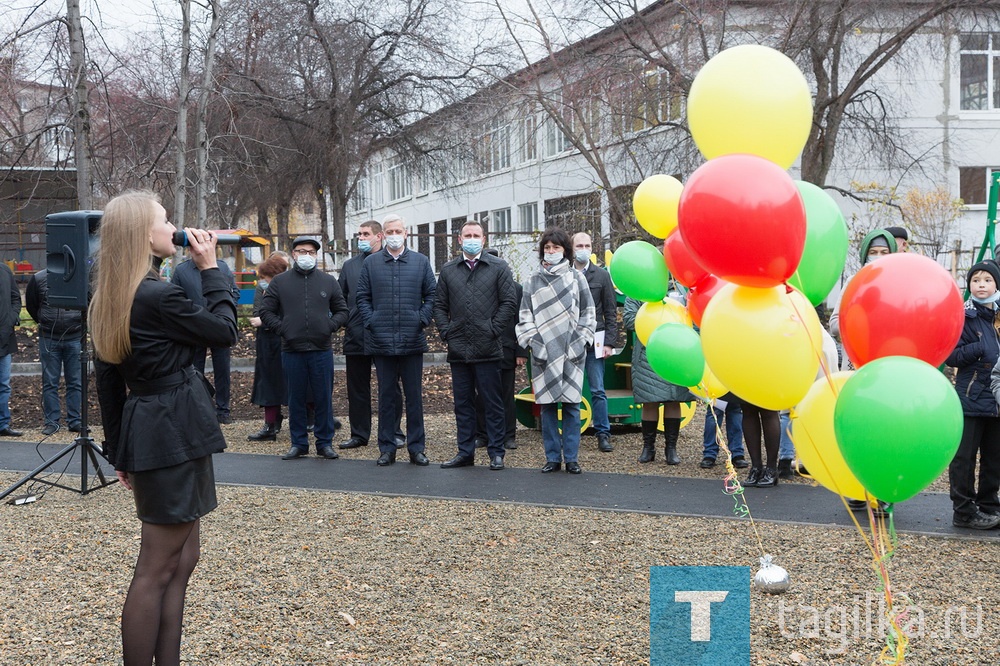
<point>902,237</point>
<point>306,306</point>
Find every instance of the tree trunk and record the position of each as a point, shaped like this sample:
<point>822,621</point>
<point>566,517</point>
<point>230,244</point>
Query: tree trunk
<point>207,85</point>
<point>183,89</point>
<point>264,224</point>
<point>81,113</point>
<point>284,210</point>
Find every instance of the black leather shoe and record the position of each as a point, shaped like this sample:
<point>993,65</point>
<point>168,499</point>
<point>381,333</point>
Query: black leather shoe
<point>785,469</point>
<point>857,505</point>
<point>707,462</point>
<point>976,521</point>
<point>74,428</point>
<point>510,444</point>
<point>337,424</point>
<point>551,467</point>
<point>353,443</point>
<point>293,453</point>
<point>739,462</point>
<point>768,478</point>
<point>604,443</point>
<point>328,453</point>
<point>458,461</point>
<point>497,463</point>
<point>10,432</point>
<point>224,419</point>
<point>420,459</point>
<point>752,478</point>
<point>573,468</point>
<point>481,442</point>
<point>50,429</point>
<point>400,442</point>
<point>386,459</point>
<point>265,434</point>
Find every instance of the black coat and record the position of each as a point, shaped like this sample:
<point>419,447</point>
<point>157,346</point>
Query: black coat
<point>269,387</point>
<point>511,350</point>
<point>473,308</point>
<point>396,301</point>
<point>10,310</point>
<point>53,322</point>
<point>602,290</point>
<point>975,355</point>
<point>354,332</point>
<point>305,308</point>
<point>167,329</point>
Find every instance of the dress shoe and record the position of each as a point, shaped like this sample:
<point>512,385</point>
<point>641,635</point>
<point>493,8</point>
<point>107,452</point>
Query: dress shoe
<point>400,442</point>
<point>224,419</point>
<point>386,459</point>
<point>50,429</point>
<point>976,521</point>
<point>768,478</point>
<point>510,444</point>
<point>707,462</point>
<point>458,461</point>
<point>481,442</point>
<point>739,462</point>
<point>573,468</point>
<point>419,459</point>
<point>328,453</point>
<point>353,443</point>
<point>10,432</point>
<point>752,478</point>
<point>75,428</point>
<point>293,453</point>
<point>497,463</point>
<point>604,443</point>
<point>266,434</point>
<point>551,467</point>
<point>785,469</point>
<point>337,424</point>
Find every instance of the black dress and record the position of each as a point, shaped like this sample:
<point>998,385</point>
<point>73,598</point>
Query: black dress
<point>269,388</point>
<point>159,420</point>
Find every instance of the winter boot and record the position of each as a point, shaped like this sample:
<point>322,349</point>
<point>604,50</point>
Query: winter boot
<point>648,442</point>
<point>266,434</point>
<point>671,431</point>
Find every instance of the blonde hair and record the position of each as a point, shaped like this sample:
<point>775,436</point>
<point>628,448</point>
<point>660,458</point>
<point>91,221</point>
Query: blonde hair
<point>123,261</point>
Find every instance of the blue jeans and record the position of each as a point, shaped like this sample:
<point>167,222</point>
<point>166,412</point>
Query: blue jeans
<point>565,446</point>
<point>310,377</point>
<point>60,356</point>
<point>786,450</point>
<point>5,391</point>
<point>734,430</point>
<point>598,401</point>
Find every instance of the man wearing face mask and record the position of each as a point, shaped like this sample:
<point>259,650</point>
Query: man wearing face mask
<point>474,303</point>
<point>306,306</point>
<point>359,364</point>
<point>396,298</point>
<point>606,305</point>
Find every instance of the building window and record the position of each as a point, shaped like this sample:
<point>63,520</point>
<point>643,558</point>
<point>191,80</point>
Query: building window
<point>527,216</point>
<point>400,183</point>
<point>377,191</point>
<point>493,147</point>
<point>500,221</point>
<point>359,200</point>
<point>979,78</point>
<point>527,135</point>
<point>644,100</point>
<point>974,184</point>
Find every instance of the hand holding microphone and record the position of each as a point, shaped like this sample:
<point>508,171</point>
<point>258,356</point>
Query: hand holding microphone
<point>201,244</point>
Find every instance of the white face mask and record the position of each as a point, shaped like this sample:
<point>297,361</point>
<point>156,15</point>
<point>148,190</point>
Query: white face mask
<point>306,262</point>
<point>554,258</point>
<point>395,241</point>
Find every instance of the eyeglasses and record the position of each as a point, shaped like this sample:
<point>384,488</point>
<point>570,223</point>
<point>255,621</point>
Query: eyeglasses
<point>301,252</point>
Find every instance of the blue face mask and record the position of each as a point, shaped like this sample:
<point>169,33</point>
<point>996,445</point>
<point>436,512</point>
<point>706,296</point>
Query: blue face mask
<point>472,246</point>
<point>988,299</point>
<point>582,256</point>
<point>365,245</point>
<point>262,284</point>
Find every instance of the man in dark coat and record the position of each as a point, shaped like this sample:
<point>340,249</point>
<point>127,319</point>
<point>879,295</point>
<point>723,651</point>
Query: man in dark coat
<point>606,305</point>
<point>59,351</point>
<point>475,302</point>
<point>305,306</point>
<point>188,277</point>
<point>396,299</point>
<point>359,364</point>
<point>10,316</point>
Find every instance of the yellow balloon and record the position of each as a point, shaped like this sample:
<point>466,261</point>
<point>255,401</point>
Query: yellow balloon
<point>653,315</point>
<point>764,344</point>
<point>750,99</point>
<point>710,386</point>
<point>815,442</point>
<point>655,204</point>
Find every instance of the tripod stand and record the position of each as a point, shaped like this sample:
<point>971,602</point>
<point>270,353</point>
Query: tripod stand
<point>88,450</point>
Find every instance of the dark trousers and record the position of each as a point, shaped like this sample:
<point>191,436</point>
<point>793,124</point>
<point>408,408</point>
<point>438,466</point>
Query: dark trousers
<point>482,380</point>
<point>981,435</point>
<point>359,397</point>
<point>391,371</point>
<point>509,415</point>
<point>220,375</point>
<point>310,379</point>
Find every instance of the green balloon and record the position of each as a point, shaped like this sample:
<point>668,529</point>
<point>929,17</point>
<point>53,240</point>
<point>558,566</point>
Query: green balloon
<point>674,352</point>
<point>639,270</point>
<point>898,422</point>
<point>826,244</point>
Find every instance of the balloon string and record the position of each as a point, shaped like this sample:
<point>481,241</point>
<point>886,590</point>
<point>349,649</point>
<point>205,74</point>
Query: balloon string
<point>824,366</point>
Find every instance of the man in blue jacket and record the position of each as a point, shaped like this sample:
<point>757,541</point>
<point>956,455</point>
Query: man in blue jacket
<point>305,306</point>
<point>396,301</point>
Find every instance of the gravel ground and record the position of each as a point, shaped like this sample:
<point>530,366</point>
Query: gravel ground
<point>302,577</point>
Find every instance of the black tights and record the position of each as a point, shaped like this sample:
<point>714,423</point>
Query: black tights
<point>756,419</point>
<point>154,608</point>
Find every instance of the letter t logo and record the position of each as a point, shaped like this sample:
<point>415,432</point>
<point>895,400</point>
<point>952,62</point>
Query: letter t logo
<point>701,610</point>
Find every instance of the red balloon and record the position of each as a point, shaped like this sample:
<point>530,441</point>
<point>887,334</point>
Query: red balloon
<point>681,264</point>
<point>700,295</point>
<point>901,305</point>
<point>743,219</point>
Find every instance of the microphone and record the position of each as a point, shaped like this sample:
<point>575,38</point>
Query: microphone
<point>180,239</point>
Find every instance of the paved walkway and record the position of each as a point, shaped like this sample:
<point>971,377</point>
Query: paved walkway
<point>928,513</point>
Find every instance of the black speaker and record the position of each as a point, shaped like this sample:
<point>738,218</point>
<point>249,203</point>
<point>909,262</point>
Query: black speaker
<point>71,241</point>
